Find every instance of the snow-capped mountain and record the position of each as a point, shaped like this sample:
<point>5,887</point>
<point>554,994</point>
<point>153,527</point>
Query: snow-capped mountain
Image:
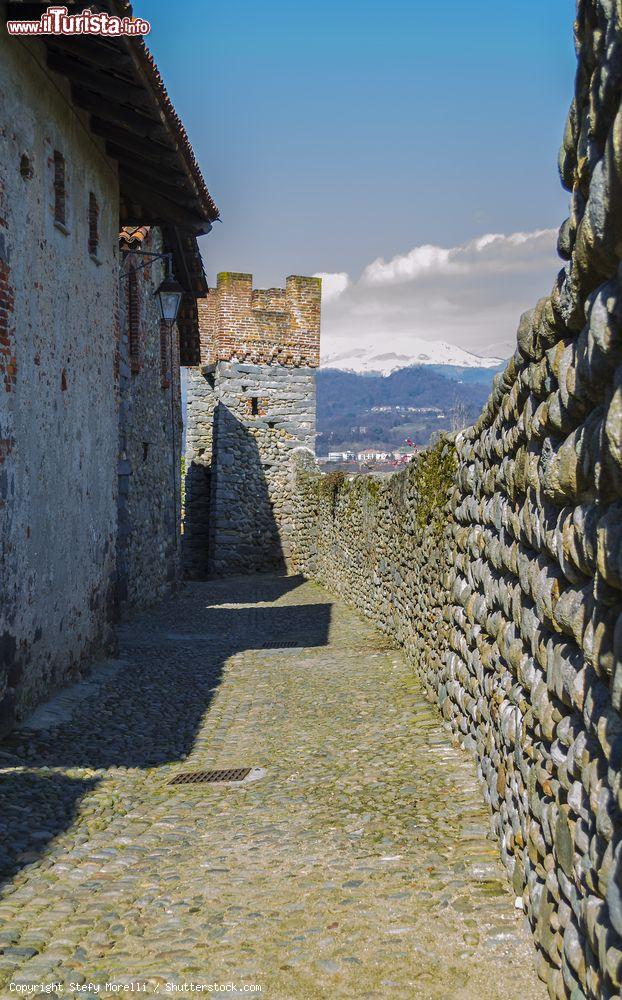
<point>365,359</point>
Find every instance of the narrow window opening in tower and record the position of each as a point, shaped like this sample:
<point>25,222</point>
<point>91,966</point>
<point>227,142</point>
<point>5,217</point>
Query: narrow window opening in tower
<point>254,405</point>
<point>60,195</point>
<point>25,167</point>
<point>133,320</point>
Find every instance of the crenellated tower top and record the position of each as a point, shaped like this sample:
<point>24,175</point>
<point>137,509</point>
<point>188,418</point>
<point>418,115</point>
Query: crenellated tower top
<point>266,326</point>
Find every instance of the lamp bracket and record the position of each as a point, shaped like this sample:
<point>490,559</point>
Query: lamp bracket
<point>141,267</point>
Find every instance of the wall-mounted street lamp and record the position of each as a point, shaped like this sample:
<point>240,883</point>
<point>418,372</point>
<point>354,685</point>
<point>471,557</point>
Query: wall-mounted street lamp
<point>169,292</point>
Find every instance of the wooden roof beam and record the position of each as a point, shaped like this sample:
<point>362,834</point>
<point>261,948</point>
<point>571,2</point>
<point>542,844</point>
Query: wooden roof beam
<point>130,143</point>
<point>171,234</point>
<point>141,124</point>
<point>161,209</point>
<point>101,83</point>
<point>95,51</point>
<point>149,177</point>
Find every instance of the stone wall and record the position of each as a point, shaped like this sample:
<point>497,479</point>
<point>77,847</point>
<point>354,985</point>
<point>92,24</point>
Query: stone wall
<point>58,404</point>
<point>200,406</point>
<point>249,406</point>
<point>150,430</point>
<point>496,560</point>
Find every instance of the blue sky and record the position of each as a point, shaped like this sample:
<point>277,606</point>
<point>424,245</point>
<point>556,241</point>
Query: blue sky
<point>334,134</point>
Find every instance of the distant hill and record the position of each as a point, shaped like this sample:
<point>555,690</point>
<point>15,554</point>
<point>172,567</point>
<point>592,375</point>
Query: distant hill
<point>367,359</point>
<point>469,376</point>
<point>357,411</point>
<point>345,400</point>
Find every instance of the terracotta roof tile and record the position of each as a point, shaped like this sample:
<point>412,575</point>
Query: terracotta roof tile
<point>134,234</point>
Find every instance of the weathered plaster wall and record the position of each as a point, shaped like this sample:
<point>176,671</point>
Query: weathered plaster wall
<point>58,407</point>
<point>150,435</point>
<point>499,567</point>
<point>250,405</point>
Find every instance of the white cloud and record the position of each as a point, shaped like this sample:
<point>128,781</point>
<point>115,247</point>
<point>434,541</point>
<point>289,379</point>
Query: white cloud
<point>420,260</point>
<point>492,253</point>
<point>332,284</point>
<point>471,295</point>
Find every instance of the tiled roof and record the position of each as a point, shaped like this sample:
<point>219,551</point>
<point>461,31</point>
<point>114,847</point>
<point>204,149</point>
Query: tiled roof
<point>134,234</point>
<point>115,80</point>
<point>148,64</point>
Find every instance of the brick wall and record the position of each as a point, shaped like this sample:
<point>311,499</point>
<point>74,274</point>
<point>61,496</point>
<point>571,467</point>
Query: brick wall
<point>261,326</point>
<point>8,360</point>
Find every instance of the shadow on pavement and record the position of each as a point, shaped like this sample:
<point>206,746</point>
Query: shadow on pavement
<point>35,808</point>
<point>149,715</point>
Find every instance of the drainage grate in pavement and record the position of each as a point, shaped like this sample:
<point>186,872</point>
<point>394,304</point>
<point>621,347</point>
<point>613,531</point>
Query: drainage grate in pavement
<point>281,644</point>
<point>208,777</point>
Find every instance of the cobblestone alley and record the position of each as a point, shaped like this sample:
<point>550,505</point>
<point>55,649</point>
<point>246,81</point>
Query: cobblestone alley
<point>358,865</point>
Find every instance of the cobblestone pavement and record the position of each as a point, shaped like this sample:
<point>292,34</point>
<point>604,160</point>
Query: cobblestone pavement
<point>357,866</point>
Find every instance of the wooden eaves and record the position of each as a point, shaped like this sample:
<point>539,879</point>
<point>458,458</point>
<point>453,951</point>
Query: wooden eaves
<point>117,82</point>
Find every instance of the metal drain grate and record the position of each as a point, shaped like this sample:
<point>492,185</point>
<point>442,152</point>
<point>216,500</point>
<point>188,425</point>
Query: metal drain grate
<point>208,777</point>
<point>281,644</point>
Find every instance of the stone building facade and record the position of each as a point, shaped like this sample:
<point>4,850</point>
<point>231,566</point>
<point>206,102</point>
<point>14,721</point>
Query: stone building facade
<point>58,409</point>
<point>496,560</point>
<point>73,417</point>
<point>250,404</point>
<point>150,428</point>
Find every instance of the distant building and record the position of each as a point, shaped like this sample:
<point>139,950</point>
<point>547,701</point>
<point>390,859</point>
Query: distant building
<point>406,409</point>
<point>374,456</point>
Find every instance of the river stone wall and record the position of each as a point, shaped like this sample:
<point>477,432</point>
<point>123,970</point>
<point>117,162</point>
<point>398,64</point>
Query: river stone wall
<point>496,560</point>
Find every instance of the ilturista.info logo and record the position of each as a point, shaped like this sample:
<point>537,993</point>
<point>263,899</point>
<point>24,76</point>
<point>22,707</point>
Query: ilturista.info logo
<point>57,20</point>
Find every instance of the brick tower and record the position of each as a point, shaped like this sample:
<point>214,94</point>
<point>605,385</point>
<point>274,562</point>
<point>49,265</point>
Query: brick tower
<point>250,403</point>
